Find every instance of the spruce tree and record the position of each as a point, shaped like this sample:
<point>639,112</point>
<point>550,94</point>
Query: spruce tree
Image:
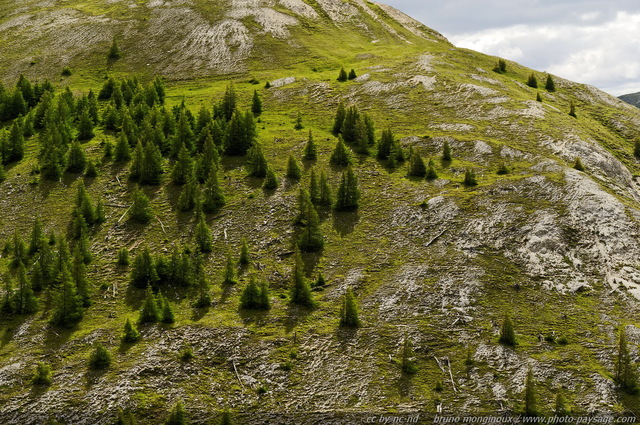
<point>204,240</point>
<point>271,180</point>
<point>91,170</point>
<point>85,126</point>
<point>140,210</point>
<point>339,118</point>
<point>507,333</point>
<point>201,283</point>
<point>446,152</point>
<point>538,97</point>
<point>230,277</point>
<point>431,174</point>
<point>341,155</point>
<point>310,149</point>
<point>293,169</point>
<point>37,240</point>
<point>79,275</point>
<point>385,144</point>
<point>300,289</point>
<point>130,332</point>
<point>626,373</point>
<point>310,238</point>
<point>178,415</point>
<point>182,168</point>
<point>68,306</point>
<point>298,125</point>
<point>572,110</point>
<point>352,75</point>
<point>100,358</point>
<point>123,257</point>
<point>320,281</point>
<point>76,158</point>
<point>342,75</point>
<point>636,149</point>
<point>349,311</point>
<point>530,402</point>
<point>245,256</point>
<point>149,313</point>
<point>240,134</point>
<point>314,188</point>
<point>123,149</point>
<point>560,408</point>
<point>188,196</point>
<point>42,374</point>
<point>143,270</point>
<point>14,146</point>
<point>348,194</point>
<point>151,169</point>
<point>256,162</point>
<point>208,159</point>
<point>212,197</point>
<point>501,67</point>
<point>550,86</point>
<point>578,164</point>
<point>167,311</point>
<point>326,194</point>
<point>251,298</point>
<point>416,166</point>
<point>256,103</point>
<point>24,300</point>
<point>470,178</point>
<point>349,128</point>
<point>408,365</point>
<point>532,81</point>
<point>114,51</point>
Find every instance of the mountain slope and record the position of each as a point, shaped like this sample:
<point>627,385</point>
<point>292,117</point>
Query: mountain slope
<point>434,261</point>
<point>631,98</point>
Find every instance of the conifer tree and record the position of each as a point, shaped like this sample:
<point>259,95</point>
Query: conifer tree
<point>626,372</point>
<point>227,106</point>
<point>300,288</point>
<point>140,210</point>
<point>68,306</point>
<point>572,110</point>
<point>7,300</point>
<point>532,81</point>
<point>326,195</point>
<point>130,332</point>
<point>240,134</point>
<point>123,149</point>
<point>212,197</point>
<point>349,311</point>
<point>79,276</point>
<point>385,144</point>
<point>298,125</point>
<point>560,408</point>
<point>470,178</point>
<point>76,159</point>
<point>85,126</point>
<point>188,195</point>
<point>14,146</point>
<point>149,313</point>
<point>143,270</point>
<point>507,333</point>
<point>24,300</point>
<point>230,277</point>
<point>178,415</point>
<point>538,97</point>
<point>184,135</point>
<point>338,121</point>
<point>271,180</point>
<point>204,240</point>
<point>256,103</point>
<point>37,241</point>
<point>310,238</point>
<point>314,188</point>
<point>530,402</point>
<point>19,250</point>
<point>501,67</point>
<point>349,125</point>
<point>341,155</point>
<point>123,257</point>
<point>503,169</point>
<point>320,281</point>
<point>252,297</point>
<point>352,75</point>
<point>636,149</point>
<point>416,166</point>
<point>446,152</point>
<point>151,169</point>
<point>550,86</point>
<point>226,418</point>
<point>256,162</point>
<point>348,195</point>
<point>361,137</point>
<point>310,149</point>
<point>208,159</point>
<point>3,174</point>
<point>245,256</point>
<point>408,366</point>
<point>432,174</point>
<point>183,167</point>
<point>91,170</point>
<point>167,311</point>
<point>114,51</point>
<point>100,358</point>
<point>42,374</point>
<point>293,169</point>
<point>578,164</point>
<point>342,75</point>
<point>201,283</point>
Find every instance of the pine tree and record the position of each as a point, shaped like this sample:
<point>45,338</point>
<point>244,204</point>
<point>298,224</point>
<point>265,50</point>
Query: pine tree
<point>140,210</point>
<point>320,281</point>
<point>578,164</point>
<point>100,358</point>
<point>183,167</point>
<point>151,169</point>
<point>501,67</point>
<point>256,103</point>
<point>143,270</point>
<point>300,289</point>
<point>446,152</point>
<point>227,106</point>
<point>85,126</point>
<point>240,134</point>
<point>503,169</point>
<point>79,275</point>
<point>256,162</point>
<point>341,155</point>
<point>76,159</point>
<point>271,180</point>
<point>572,110</point>
<point>212,197</point>
<point>14,146</point>
<point>326,195</point>
<point>348,195</point>
<point>352,75</point>
<point>310,238</point>
<point>114,51</point>
<point>123,149</point>
<point>470,178</point>
<point>626,373</point>
<point>532,81</point>
<point>408,365</point>
<point>37,240</point>
<point>349,128</point>
<point>167,311</point>
<point>431,174</point>
<point>188,196</point>
<point>91,170</point>
<point>314,188</point>
<point>252,297</point>
<point>149,313</point>
<point>230,277</point>
<point>310,149</point>
<point>342,75</point>
<point>385,144</point>
<point>530,402</point>
<point>293,169</point>
<point>130,332</point>
<point>201,283</point>
<point>123,257</point>
<point>538,97</point>
<point>560,408</point>
<point>208,159</point>
<point>507,333</point>
<point>204,240</point>
<point>42,374</point>
<point>636,149</point>
<point>68,306</point>
<point>550,86</point>
<point>298,125</point>
<point>178,415</point>
<point>184,134</point>
<point>338,121</point>
<point>361,137</point>
<point>349,311</point>
<point>245,256</point>
<point>416,166</point>
<point>24,300</point>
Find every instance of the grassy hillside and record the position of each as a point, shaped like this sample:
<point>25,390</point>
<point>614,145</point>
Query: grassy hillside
<point>436,262</point>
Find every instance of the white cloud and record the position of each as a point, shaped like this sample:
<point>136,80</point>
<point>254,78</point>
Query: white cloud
<point>606,54</point>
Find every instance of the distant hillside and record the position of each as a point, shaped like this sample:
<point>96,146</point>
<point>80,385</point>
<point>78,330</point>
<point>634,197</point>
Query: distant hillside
<point>631,99</point>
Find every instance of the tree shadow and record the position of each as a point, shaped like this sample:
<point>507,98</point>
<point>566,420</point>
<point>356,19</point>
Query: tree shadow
<point>295,315</point>
<point>227,289</point>
<point>92,376</point>
<point>56,337</point>
<point>310,261</point>
<point>199,312</point>
<point>258,317</point>
<point>404,384</point>
<point>344,222</point>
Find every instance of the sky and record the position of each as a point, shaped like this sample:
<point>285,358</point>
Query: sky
<point>592,42</point>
